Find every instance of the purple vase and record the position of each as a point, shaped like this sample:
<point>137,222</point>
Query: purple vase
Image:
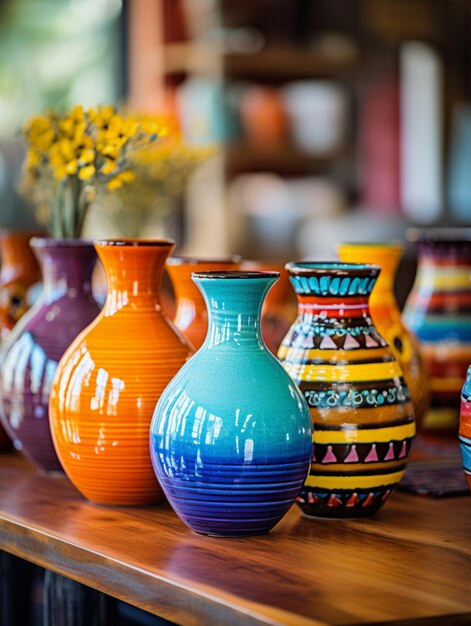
<point>29,356</point>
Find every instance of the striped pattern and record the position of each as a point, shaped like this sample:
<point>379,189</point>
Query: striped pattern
<point>465,427</point>
<point>360,404</point>
<point>110,379</point>
<point>438,311</point>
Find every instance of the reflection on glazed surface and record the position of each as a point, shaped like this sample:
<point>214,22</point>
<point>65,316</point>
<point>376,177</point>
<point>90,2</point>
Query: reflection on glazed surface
<point>31,352</point>
<point>231,435</point>
<point>110,379</point>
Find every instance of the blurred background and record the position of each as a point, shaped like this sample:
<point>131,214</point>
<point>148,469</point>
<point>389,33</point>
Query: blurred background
<point>334,119</point>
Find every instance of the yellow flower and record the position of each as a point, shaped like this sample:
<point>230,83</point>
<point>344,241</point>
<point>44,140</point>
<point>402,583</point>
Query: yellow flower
<point>87,172</point>
<point>32,159</point>
<point>114,183</point>
<point>60,172</point>
<point>71,167</point>
<point>76,114</point>
<point>118,181</point>
<point>109,167</point>
<point>87,156</point>
<point>127,176</point>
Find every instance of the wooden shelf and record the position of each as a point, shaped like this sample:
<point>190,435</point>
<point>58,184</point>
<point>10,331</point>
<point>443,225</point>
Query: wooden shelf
<point>273,63</point>
<point>410,564</point>
<point>282,159</point>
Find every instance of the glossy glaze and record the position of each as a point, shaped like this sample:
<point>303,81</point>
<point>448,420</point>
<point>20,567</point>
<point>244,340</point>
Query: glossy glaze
<point>109,380</point>
<point>360,404</point>
<point>465,427</point>
<point>190,315</point>
<point>279,308</point>
<point>19,271</point>
<point>438,311</point>
<point>387,317</point>
<point>29,355</point>
<point>231,434</point>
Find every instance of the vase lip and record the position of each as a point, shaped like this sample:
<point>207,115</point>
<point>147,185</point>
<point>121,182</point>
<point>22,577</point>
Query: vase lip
<point>50,242</point>
<point>193,260</point>
<point>135,243</point>
<point>439,234</point>
<point>233,275</point>
<point>337,268</point>
<point>395,244</point>
<point>19,232</point>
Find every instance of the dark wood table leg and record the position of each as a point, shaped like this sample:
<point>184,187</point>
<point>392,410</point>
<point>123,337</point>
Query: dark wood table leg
<point>68,603</point>
<point>17,579</point>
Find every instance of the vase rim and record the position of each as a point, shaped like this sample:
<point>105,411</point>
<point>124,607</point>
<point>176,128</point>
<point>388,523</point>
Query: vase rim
<point>395,244</point>
<point>50,242</point>
<point>449,234</point>
<point>135,243</point>
<point>234,275</point>
<point>190,260</point>
<point>307,268</point>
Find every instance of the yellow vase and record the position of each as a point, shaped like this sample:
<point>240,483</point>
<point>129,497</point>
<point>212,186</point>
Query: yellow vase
<point>387,317</point>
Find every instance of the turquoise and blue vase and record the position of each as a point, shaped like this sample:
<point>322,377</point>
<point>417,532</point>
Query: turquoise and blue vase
<point>231,437</point>
<point>360,404</point>
<point>465,427</point>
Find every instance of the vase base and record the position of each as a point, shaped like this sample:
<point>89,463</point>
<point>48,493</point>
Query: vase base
<point>343,504</point>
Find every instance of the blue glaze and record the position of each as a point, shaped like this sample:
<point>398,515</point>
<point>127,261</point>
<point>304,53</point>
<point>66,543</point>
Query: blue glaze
<point>231,436</point>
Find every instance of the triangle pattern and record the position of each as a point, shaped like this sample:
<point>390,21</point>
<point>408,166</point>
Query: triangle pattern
<point>328,343</point>
<point>372,455</point>
<point>390,455</point>
<point>370,342</point>
<point>350,343</point>
<point>352,456</point>
<point>329,456</point>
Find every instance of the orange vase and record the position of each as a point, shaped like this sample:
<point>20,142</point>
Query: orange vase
<point>191,316</point>
<point>20,270</point>
<point>280,307</point>
<point>387,317</point>
<point>109,380</point>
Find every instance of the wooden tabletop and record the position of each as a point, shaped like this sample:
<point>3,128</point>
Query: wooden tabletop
<point>409,565</point>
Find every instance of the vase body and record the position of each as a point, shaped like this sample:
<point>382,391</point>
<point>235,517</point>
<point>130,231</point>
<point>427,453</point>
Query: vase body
<point>19,271</point>
<point>191,316</point>
<point>360,405</point>
<point>109,380</point>
<point>231,435</point>
<point>438,311</point>
<point>387,317</point>
<point>279,308</point>
<point>31,352</point>
<point>465,427</point>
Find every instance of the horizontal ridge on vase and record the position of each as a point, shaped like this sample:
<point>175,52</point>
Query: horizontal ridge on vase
<point>360,404</point>
<point>231,435</point>
<point>109,380</point>
<point>31,352</point>
<point>387,317</point>
<point>438,311</point>
<point>465,427</point>
<point>191,316</point>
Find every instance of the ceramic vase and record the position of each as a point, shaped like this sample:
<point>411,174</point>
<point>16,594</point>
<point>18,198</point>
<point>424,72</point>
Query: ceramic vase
<point>387,317</point>
<point>231,434</point>
<point>109,380</point>
<point>465,427</point>
<point>190,315</point>
<point>19,271</point>
<point>279,308</point>
<point>29,355</point>
<point>360,404</point>
<point>438,311</point>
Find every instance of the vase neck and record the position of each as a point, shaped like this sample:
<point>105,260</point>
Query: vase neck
<point>234,307</point>
<point>134,272</point>
<point>67,267</point>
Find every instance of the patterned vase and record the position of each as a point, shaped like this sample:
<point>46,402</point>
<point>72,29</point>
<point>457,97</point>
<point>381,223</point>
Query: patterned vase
<point>465,427</point>
<point>279,308</point>
<point>109,380</point>
<point>231,434</point>
<point>191,316</point>
<point>20,270</point>
<point>438,311</point>
<point>29,355</point>
<point>387,317</point>
<point>360,405</point>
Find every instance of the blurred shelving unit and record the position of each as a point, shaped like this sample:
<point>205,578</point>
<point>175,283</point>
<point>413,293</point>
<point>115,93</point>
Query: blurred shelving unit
<point>223,49</point>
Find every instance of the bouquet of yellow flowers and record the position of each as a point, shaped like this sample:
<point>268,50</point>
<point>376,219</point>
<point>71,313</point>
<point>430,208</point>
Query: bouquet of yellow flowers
<point>72,157</point>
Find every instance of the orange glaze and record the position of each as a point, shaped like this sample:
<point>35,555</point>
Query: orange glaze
<point>109,380</point>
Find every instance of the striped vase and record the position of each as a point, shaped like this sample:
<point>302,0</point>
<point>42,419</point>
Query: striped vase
<point>438,311</point>
<point>465,427</point>
<point>109,380</point>
<point>231,434</point>
<point>360,405</point>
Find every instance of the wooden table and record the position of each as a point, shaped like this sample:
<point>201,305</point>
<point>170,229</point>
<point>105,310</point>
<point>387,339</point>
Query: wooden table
<point>409,565</point>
